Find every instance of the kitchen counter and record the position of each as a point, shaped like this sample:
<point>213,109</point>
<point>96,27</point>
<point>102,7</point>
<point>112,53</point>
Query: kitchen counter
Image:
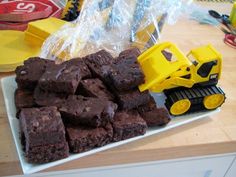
<point>210,136</point>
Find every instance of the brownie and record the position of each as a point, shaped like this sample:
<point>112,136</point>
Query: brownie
<point>126,74</point>
<point>87,111</point>
<point>85,72</point>
<point>132,99</point>
<point>94,88</point>
<point>127,125</point>
<point>47,153</point>
<point>96,60</point>
<point>61,79</point>
<point>156,117</point>
<point>153,115</point>
<point>82,138</point>
<point>129,53</point>
<point>41,126</point>
<point>27,76</point>
<point>23,99</point>
<point>105,71</point>
<point>44,98</point>
<point>148,106</point>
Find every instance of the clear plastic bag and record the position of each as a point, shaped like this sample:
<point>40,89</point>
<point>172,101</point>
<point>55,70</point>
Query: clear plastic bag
<point>113,25</point>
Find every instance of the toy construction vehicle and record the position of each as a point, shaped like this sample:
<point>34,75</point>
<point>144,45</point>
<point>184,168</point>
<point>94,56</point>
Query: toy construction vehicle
<point>189,83</point>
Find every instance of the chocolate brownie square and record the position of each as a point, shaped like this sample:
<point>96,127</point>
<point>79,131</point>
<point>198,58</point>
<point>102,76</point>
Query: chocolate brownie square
<point>148,106</point>
<point>153,115</point>
<point>129,53</point>
<point>44,98</point>
<point>61,79</point>
<point>156,117</point>
<point>105,71</point>
<point>127,125</point>
<point>87,111</point>
<point>96,60</point>
<point>23,99</point>
<point>41,126</point>
<point>47,153</point>
<point>82,138</point>
<point>94,88</point>
<point>85,72</point>
<point>126,74</point>
<point>27,76</point>
<point>132,99</point>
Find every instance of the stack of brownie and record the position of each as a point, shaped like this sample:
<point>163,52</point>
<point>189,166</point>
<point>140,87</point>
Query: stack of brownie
<point>82,103</point>
<point>43,134</point>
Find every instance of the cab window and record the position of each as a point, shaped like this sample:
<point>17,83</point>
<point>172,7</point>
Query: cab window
<point>206,68</point>
<point>192,59</point>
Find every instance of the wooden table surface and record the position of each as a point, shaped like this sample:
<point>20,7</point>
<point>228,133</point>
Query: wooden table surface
<point>213,135</point>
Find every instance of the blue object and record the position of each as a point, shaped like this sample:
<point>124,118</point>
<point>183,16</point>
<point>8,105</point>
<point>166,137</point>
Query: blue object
<point>204,18</point>
<point>104,4</point>
<point>139,13</point>
<point>115,18</point>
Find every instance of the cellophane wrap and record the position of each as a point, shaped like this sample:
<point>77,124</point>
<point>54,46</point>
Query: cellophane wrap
<point>113,25</point>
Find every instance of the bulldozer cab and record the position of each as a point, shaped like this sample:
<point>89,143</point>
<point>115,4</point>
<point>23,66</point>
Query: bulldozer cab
<point>206,65</point>
<point>163,66</point>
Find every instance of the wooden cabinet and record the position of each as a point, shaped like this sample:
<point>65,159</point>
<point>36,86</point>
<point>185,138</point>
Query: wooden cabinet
<point>210,166</point>
<point>232,170</point>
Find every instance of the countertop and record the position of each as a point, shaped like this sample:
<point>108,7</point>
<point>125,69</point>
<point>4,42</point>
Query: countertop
<point>213,135</point>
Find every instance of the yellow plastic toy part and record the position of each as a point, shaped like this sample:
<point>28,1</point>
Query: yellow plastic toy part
<point>157,68</point>
<point>33,39</point>
<point>232,17</point>
<point>144,36</point>
<point>70,4</point>
<point>38,31</point>
<point>180,107</point>
<point>14,50</point>
<point>203,55</point>
<point>213,101</point>
<point>202,65</point>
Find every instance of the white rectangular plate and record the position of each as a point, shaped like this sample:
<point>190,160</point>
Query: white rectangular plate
<point>9,87</point>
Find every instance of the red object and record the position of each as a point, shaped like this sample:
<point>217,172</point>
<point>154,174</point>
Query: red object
<point>230,40</point>
<point>22,11</point>
<point>10,20</point>
<point>56,10</point>
<point>13,26</point>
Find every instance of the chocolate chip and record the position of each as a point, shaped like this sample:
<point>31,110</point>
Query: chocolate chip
<point>63,109</point>
<point>66,71</point>
<point>23,72</point>
<point>86,109</point>
<point>45,118</point>
<point>35,124</point>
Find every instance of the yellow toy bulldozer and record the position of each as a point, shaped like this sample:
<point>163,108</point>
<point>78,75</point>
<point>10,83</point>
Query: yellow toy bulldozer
<point>189,83</point>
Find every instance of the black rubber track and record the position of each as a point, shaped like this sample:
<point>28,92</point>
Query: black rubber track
<point>195,95</point>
